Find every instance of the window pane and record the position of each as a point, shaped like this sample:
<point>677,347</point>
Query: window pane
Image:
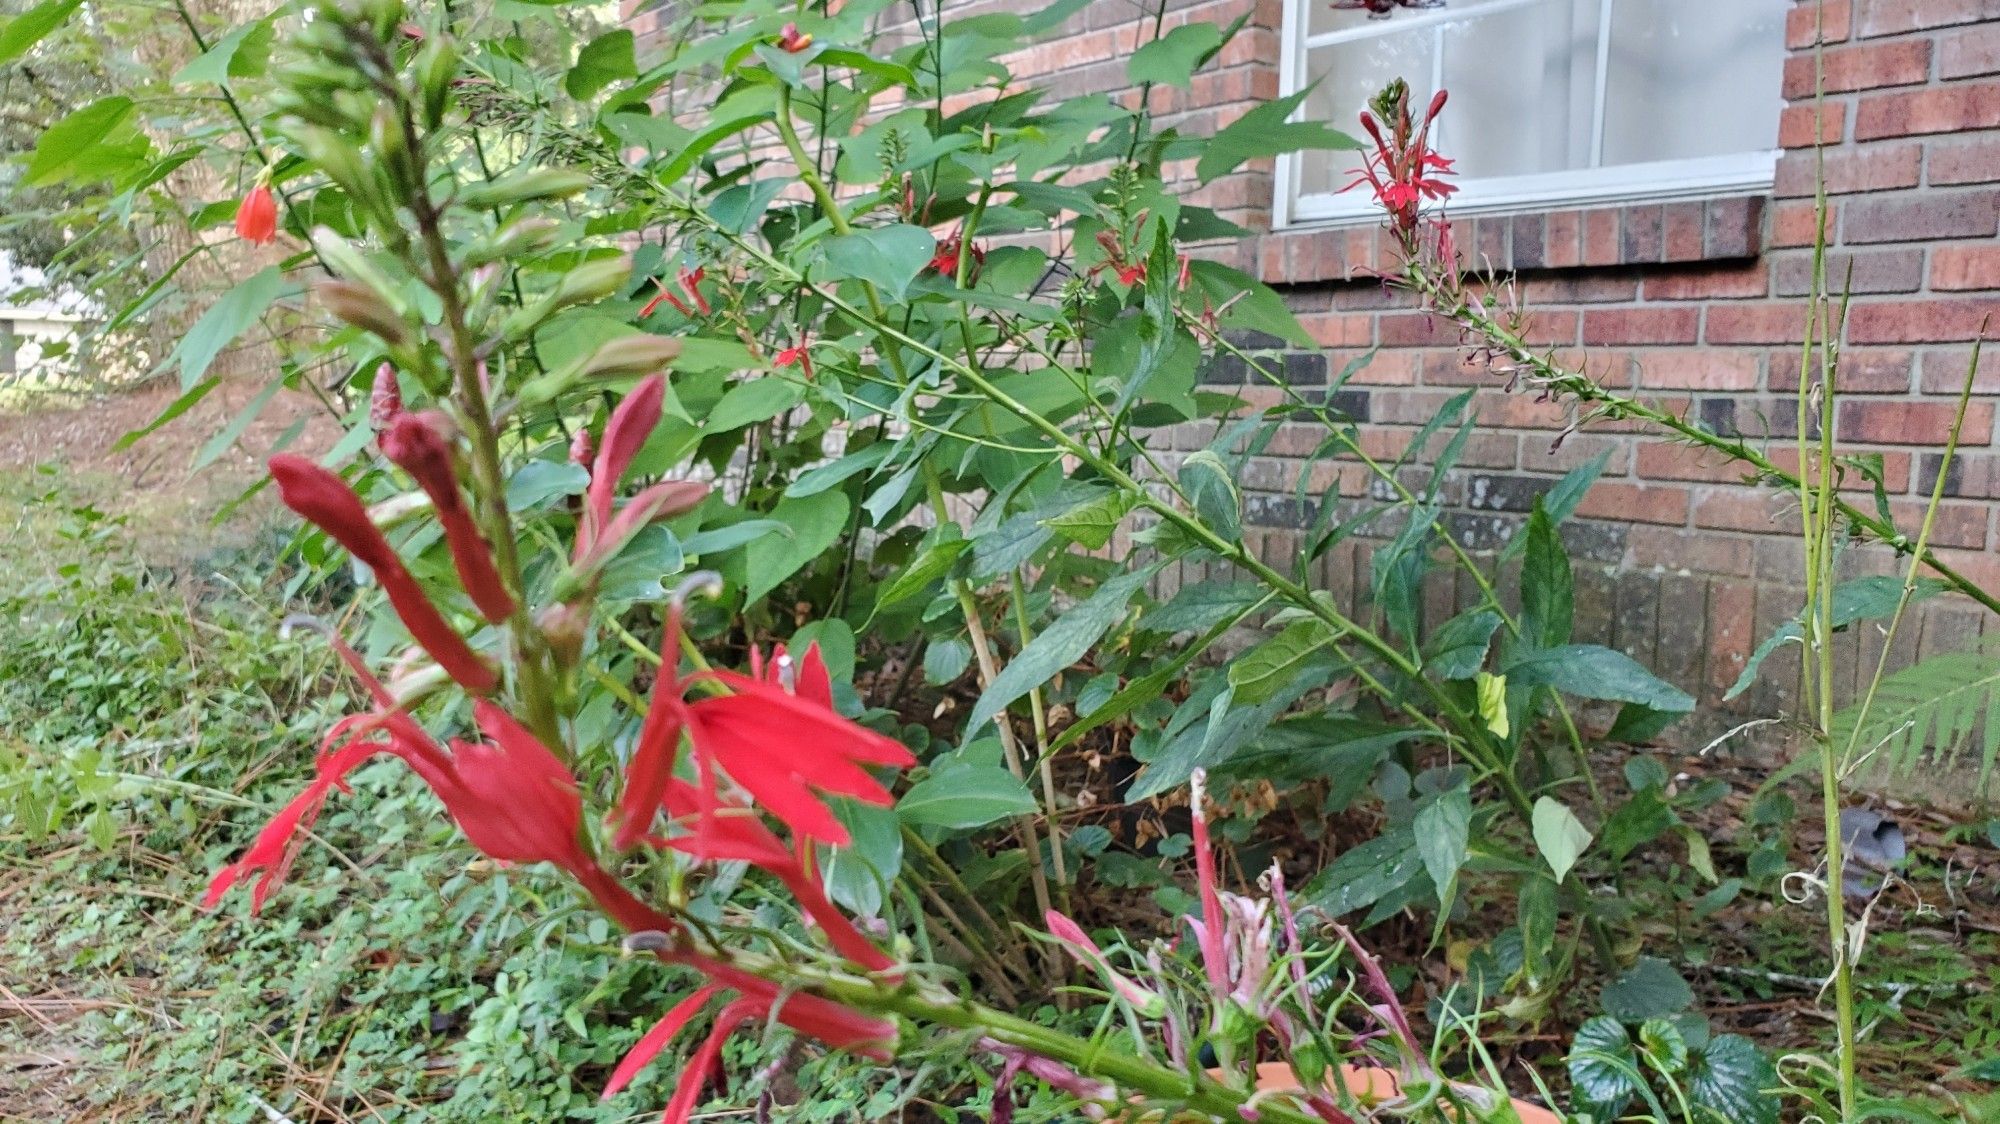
<point>1520,83</point>
<point>1355,72</point>
<point>1692,78</point>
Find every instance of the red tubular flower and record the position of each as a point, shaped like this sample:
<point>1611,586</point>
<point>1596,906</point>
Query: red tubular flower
<point>257,215</point>
<point>325,500</point>
<point>690,280</point>
<point>945,261</point>
<point>270,856</point>
<point>1402,170</point>
<point>799,354</point>
<point>601,535</point>
<point>736,834</point>
<point>1214,956</point>
<point>417,444</point>
<point>664,296</point>
<point>656,1039</point>
<point>513,799</point>
<point>385,398</point>
<point>756,735</point>
<point>657,746</point>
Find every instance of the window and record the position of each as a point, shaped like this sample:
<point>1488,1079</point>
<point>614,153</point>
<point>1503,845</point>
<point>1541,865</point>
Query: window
<point>1553,102</point>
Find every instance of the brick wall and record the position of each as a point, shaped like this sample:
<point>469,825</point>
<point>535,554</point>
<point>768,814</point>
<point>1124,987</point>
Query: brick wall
<point>1699,305</point>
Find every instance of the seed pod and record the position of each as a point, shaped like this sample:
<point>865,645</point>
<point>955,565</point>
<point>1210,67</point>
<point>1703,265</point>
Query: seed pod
<point>362,307</point>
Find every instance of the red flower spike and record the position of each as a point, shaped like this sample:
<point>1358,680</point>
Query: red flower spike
<point>325,500</point>
<point>707,1061</point>
<point>690,281</point>
<point>656,1039</point>
<point>837,1025</point>
<point>417,444</point>
<point>277,845</point>
<point>1213,956</point>
<point>257,215</point>
<point>634,420</point>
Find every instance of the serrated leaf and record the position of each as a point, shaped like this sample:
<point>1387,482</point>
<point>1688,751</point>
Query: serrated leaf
<point>1264,131</point>
<point>965,797</point>
<point>1458,648</point>
<point>1363,875</point>
<point>1559,835</point>
<point>1092,523</point>
<point>1649,989</point>
<point>1663,1040</point>
<point>889,257</point>
<point>946,660</point>
<point>1547,590</point>
<point>72,146</point>
<point>1171,59</point>
<point>1603,1068</point>
<point>1199,606</point>
<point>816,523</point>
<point>602,61</point>
<point>1058,646</point>
<point>1593,672</point>
<point>1211,489</point>
<point>1264,670</point>
<point>1732,1077</point>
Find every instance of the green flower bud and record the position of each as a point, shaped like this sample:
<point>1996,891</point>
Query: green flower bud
<point>437,66</point>
<point>362,307</point>
<point>524,187</point>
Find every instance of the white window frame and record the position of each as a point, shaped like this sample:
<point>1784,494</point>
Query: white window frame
<point>1739,173</point>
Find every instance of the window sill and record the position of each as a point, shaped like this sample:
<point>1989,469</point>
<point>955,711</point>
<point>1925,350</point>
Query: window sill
<point>1720,229</point>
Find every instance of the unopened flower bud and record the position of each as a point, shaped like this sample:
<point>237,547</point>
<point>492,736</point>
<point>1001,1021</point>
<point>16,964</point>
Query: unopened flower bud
<point>523,187</point>
<point>564,627</point>
<point>362,307</point>
<point>385,399</point>
<point>593,280</point>
<point>632,355</point>
<point>581,448</point>
<point>436,67</point>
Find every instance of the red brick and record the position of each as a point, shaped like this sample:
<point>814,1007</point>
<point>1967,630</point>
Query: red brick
<point>1795,125</point>
<point>1709,282</point>
<point>1334,330</point>
<point>1945,320</point>
<point>1640,503</point>
<point>1829,21</point>
<point>1849,170</point>
<point>1733,228</point>
<point>1683,232</point>
<point>1563,240</point>
<point>1965,267</point>
<point>1641,325</point>
<point>1940,109</point>
<point>1742,509</point>
<point>1863,370</point>
<point>1674,548</point>
<point>1920,218</point>
<point>1889,270</point>
<point>1387,368</point>
<point>1965,160</point>
<point>1600,237</point>
<point>1961,525</point>
<point>1669,460</point>
<point>1550,328</point>
<point>1732,631</point>
<point>1880,422</point>
<point>1869,66</point>
<point>1792,224</point>
<point>1969,53</point>
<point>1895,470</point>
<point>1891,17</point>
<point>1756,323</point>
<point>1698,369</point>
<point>1417,329</point>
<point>1943,370</point>
<point>1578,288</point>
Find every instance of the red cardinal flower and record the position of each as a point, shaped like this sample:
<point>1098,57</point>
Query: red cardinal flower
<point>657,746</point>
<point>417,443</point>
<point>945,261</point>
<point>385,398</point>
<point>689,281</point>
<point>1402,170</point>
<point>257,215</point>
<point>325,500</point>
<point>799,354</point>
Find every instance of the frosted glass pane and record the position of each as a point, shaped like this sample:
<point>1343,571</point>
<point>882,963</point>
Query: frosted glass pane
<point>1515,78</point>
<point>1692,78</point>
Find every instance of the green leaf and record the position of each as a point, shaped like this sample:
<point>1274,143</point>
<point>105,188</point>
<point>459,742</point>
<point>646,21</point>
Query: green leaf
<point>187,401</point>
<point>738,209</point>
<point>1201,605</point>
<point>748,403</point>
<point>1059,646</point>
<point>643,568</point>
<point>1364,875</point>
<point>729,536</point>
<point>1649,989</point>
<point>1559,835</point>
<point>1092,523</point>
<point>88,143</point>
<point>218,64</point>
<point>1171,59</point>
<point>1443,831</point>
<point>1858,599</point>
<point>946,660</point>
<point>539,482</point>
<point>227,319</point>
<point>934,563</point>
<point>1603,1068</point>
<point>1637,822</point>
<point>1664,1041</point>
<point>1264,131</point>
<point>1211,488</point>
<point>1547,593</point>
<point>1537,918</point>
<point>1457,649</point>
<point>32,26</point>
<point>858,875</point>
<point>1733,1077</point>
<point>1264,670</point>
<point>1987,1070</point>
<point>890,257</point>
<point>965,797</point>
<point>821,477</point>
<point>1592,672</point>
<point>816,523</point>
<point>223,438</point>
<point>603,60</point>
